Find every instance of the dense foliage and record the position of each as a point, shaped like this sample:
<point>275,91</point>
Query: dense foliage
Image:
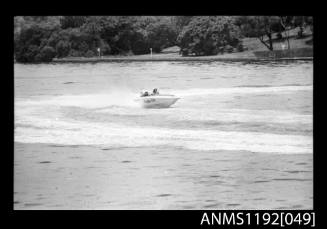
<point>41,38</point>
<point>32,44</point>
<point>209,36</point>
<point>82,36</point>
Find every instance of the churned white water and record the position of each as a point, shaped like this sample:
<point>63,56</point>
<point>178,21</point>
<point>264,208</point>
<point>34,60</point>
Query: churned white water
<point>261,111</point>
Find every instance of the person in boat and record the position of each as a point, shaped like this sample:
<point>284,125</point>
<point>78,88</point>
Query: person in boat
<point>155,92</point>
<point>144,94</point>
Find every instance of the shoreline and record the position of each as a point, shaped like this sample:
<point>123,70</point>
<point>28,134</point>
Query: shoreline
<point>133,58</point>
<point>246,56</point>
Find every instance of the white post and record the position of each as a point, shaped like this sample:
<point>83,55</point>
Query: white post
<point>283,46</point>
<point>99,51</point>
<point>151,52</point>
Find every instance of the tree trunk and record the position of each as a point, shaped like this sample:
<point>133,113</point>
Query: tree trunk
<point>270,47</point>
<point>288,40</point>
<point>283,24</point>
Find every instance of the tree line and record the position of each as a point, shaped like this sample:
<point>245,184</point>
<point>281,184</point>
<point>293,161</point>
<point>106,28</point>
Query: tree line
<point>42,38</point>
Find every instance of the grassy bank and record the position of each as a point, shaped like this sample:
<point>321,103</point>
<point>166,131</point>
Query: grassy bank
<point>300,49</point>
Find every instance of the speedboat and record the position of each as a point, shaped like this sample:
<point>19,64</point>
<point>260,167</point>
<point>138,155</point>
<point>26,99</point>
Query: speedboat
<point>158,101</point>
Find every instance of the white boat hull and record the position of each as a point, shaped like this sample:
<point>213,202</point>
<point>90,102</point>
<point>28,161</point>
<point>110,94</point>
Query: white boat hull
<point>158,101</point>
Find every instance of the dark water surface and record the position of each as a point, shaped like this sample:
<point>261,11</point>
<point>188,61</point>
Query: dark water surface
<point>240,137</point>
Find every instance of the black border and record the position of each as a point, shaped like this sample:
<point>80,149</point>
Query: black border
<point>151,218</point>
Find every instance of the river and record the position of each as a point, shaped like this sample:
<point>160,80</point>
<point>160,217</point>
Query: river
<point>240,137</point>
